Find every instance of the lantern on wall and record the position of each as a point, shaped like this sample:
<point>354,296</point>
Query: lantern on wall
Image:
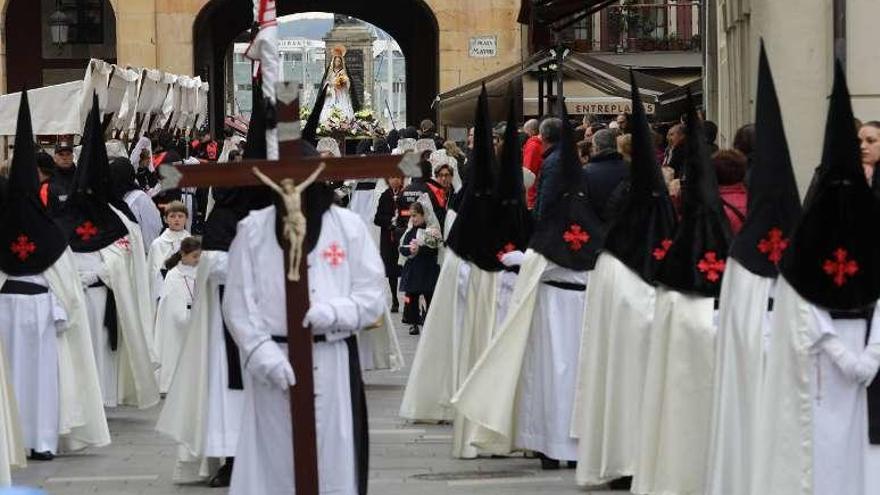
<point>59,27</point>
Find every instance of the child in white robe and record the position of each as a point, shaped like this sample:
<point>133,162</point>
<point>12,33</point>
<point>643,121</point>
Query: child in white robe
<point>174,308</point>
<point>166,245</point>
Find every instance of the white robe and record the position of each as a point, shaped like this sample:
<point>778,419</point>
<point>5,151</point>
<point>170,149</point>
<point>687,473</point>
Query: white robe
<point>147,215</point>
<point>743,322</point>
<point>12,450</point>
<point>92,269</point>
<point>611,376</point>
<point>29,329</point>
<point>458,328</point>
<point>676,408</point>
<point>172,318</point>
<point>201,412</point>
<point>521,367</point>
<point>160,250</point>
<point>812,433</point>
<point>255,308</point>
<point>80,419</point>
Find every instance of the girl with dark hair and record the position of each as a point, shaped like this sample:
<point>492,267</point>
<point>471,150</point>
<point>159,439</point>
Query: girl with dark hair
<point>174,307</point>
<point>419,246</point>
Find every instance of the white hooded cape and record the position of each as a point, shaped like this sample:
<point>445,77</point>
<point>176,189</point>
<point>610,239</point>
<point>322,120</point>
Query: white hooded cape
<point>12,451</point>
<point>457,329</point>
<point>126,276</point>
<point>676,408</point>
<point>812,430</point>
<point>201,412</point>
<point>82,422</point>
<point>488,395</point>
<point>743,322</point>
<point>611,372</point>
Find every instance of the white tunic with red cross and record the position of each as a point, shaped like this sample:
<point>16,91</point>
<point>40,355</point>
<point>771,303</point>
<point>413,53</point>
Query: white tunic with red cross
<point>346,272</point>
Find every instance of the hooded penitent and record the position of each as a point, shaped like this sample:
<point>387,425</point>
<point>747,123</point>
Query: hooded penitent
<point>774,204</point>
<point>514,222</point>
<point>832,261</point>
<point>570,234</point>
<point>694,262</point>
<point>747,297</point>
<point>474,236</point>
<point>643,231</point>
<point>30,242</point>
<point>310,130</point>
<point>87,218</point>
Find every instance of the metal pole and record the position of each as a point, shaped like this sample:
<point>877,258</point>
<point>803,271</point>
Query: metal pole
<point>540,93</point>
<point>560,55</point>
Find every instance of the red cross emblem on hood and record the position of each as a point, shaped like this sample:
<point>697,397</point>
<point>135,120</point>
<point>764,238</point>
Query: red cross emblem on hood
<point>506,249</point>
<point>23,247</point>
<point>660,252</point>
<point>840,267</point>
<point>711,266</point>
<point>773,245</point>
<point>576,237</point>
<point>87,230</point>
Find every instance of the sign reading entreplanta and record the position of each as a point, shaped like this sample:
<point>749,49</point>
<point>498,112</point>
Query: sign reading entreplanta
<point>483,46</point>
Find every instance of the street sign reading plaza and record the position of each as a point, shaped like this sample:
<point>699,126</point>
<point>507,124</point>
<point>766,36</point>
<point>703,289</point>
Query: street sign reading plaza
<point>483,46</point>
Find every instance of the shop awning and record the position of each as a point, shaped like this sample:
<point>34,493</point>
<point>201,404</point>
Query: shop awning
<point>456,107</point>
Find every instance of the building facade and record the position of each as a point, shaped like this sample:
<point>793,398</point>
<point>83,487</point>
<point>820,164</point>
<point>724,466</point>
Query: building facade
<point>800,37</point>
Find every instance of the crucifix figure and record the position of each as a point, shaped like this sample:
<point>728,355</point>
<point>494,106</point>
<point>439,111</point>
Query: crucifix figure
<point>294,220</point>
<point>290,175</point>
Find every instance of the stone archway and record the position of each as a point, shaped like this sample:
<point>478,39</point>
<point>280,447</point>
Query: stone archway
<point>410,22</point>
<point>30,57</point>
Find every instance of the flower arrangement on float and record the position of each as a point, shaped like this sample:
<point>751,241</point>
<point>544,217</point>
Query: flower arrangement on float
<point>339,127</point>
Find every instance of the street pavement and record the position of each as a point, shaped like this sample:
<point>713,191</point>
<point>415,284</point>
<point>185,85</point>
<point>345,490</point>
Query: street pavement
<point>405,458</point>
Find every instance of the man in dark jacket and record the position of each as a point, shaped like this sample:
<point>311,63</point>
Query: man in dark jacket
<point>551,132</point>
<point>392,219</point>
<point>604,173</point>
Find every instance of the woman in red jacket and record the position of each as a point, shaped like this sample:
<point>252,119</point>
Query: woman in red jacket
<point>730,167</point>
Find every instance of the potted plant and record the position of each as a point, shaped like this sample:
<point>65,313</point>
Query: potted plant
<point>696,43</point>
<point>674,41</point>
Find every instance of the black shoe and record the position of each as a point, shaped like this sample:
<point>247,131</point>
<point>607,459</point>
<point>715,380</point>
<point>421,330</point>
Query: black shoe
<point>571,464</point>
<point>621,483</point>
<point>41,456</point>
<point>395,308</point>
<point>223,476</point>
<point>547,463</point>
<point>414,330</point>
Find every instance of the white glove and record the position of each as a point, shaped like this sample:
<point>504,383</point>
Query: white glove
<point>281,376</point>
<point>860,368</point>
<point>320,317</point>
<point>513,258</point>
<point>88,278</point>
<point>269,364</point>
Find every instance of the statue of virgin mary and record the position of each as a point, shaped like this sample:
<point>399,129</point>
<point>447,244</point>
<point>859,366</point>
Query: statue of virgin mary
<point>338,87</point>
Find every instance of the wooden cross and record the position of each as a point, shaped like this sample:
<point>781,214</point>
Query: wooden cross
<point>293,165</point>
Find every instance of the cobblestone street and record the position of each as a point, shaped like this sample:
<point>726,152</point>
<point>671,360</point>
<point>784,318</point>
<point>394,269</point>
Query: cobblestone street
<point>406,458</point>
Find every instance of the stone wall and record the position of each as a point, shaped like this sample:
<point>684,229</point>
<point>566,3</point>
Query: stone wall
<point>158,33</point>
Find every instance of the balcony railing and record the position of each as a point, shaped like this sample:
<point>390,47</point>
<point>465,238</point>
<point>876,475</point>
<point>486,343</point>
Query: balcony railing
<point>673,26</point>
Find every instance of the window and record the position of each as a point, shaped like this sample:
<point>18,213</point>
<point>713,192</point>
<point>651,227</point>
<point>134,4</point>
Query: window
<point>582,29</point>
<point>86,21</point>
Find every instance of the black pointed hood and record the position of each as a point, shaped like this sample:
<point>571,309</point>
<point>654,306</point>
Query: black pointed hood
<point>30,242</point>
<point>774,204</point>
<point>87,218</point>
<point>231,205</point>
<point>642,232</point>
<point>569,233</point>
<point>695,261</point>
<point>514,222</point>
<point>833,258</point>
<point>474,236</point>
<point>310,130</point>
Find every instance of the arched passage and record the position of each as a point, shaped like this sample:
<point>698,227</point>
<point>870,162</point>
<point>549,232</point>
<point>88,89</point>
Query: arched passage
<point>410,22</point>
<point>32,59</point>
